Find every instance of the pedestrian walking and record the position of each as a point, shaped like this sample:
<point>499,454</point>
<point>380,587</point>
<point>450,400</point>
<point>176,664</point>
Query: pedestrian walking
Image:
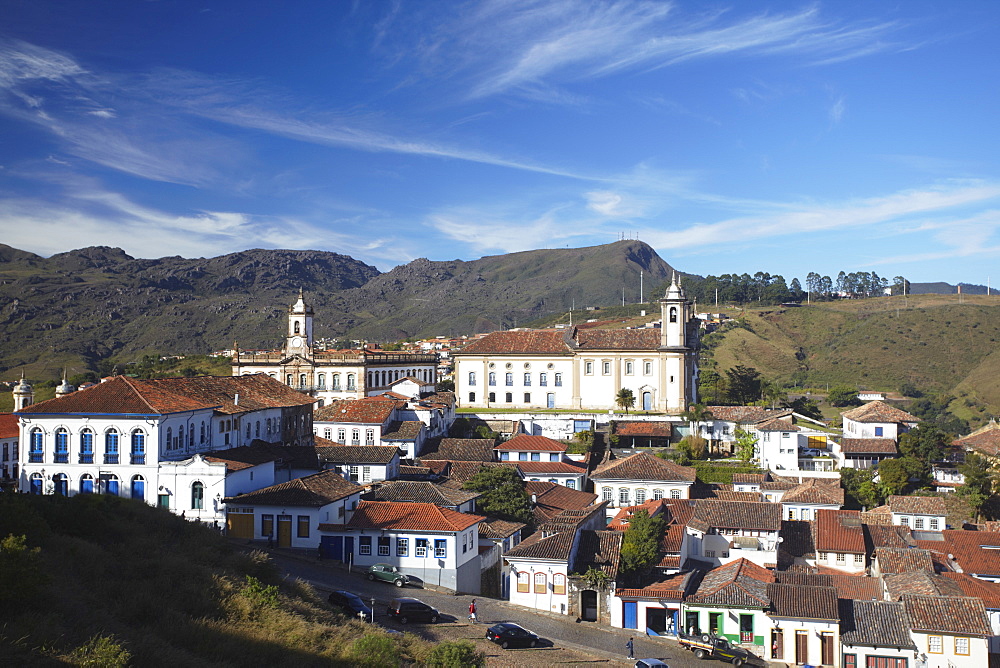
<point>630,647</point>
<point>472,611</point>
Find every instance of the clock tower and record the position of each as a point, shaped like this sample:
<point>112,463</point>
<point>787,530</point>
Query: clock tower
<point>299,340</point>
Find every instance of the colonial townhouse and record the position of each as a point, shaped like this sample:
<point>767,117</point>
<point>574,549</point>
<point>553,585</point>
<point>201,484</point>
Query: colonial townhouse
<point>984,441</point>
<point>897,560</point>
<point>406,491</point>
<point>805,500</point>
<point>460,450</point>
<point>580,368</point>
<point>549,499</point>
<point>875,634</point>
<point>948,630</point>
<point>805,624</point>
<point>429,543</point>
<point>731,601</point>
<point>358,422</point>
<point>786,447</point>
<point>112,437</point>
<point>640,477</point>
<point>291,514</point>
<point>656,607</point>
<point>436,411</point>
<point>840,541</point>
<point>723,531</point>
<point>989,594</point>
<point>359,463</point>
<point>407,436</point>
<point>541,458</point>
<point>877,419</point>
<point>574,541</point>
<point>332,375</point>
<point>10,433</point>
<point>921,513</point>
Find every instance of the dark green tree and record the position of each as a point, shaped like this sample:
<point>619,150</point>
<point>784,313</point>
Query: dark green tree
<point>860,491</point>
<point>503,493</point>
<point>745,446</point>
<point>21,576</point>
<point>743,385</point>
<point>978,486</point>
<point>843,395</point>
<point>641,542</point>
<point>625,399</point>
<point>895,475</point>
<point>926,442</point>
<point>805,406</point>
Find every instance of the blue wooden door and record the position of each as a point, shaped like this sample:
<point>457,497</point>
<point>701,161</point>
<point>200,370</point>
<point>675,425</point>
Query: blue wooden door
<point>112,487</point>
<point>631,614</point>
<point>138,489</point>
<point>348,549</point>
<point>550,400</point>
<point>647,401</point>
<point>333,547</point>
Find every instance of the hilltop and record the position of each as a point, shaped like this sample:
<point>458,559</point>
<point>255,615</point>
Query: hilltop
<point>74,309</point>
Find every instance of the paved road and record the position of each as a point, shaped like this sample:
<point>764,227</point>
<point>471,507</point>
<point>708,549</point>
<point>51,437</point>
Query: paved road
<point>595,639</point>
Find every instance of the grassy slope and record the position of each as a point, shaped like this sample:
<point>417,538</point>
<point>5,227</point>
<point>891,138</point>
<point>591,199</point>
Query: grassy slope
<point>171,592</point>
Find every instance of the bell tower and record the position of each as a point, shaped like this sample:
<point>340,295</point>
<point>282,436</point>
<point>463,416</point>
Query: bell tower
<point>675,312</point>
<point>678,350</point>
<point>24,395</point>
<point>299,339</point>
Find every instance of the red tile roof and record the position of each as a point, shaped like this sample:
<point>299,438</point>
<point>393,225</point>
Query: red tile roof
<point>874,624</point>
<point>460,449</point>
<point>877,446</point>
<point>776,424</point>
<point>419,491</point>
<point>526,443</point>
<point>919,582</point>
<point>551,499</point>
<point>947,614</point>
<point>976,552</point>
<point>986,591</point>
<point>814,492</point>
<point>495,529</point>
<point>747,414</point>
<point>9,425</point>
<point>545,468</point>
<point>395,516</point>
<point>259,452</point>
<point>894,560</point>
<point>618,339</point>
<point>711,513</point>
<point>878,412</point>
<point>644,466</point>
<point>658,429</point>
<point>539,341</point>
<point>671,588</point>
<point>600,549</point>
<point>839,531</point>
<point>740,583</point>
<point>803,601</point>
<point>357,454</point>
<point>311,491</point>
<point>985,440</point>
<point>917,505</point>
<point>369,410</point>
<point>859,587</point>
<point>162,396</point>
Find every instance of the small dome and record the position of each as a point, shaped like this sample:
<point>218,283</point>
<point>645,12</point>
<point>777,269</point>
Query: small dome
<point>65,388</point>
<point>23,387</point>
<point>674,291</point>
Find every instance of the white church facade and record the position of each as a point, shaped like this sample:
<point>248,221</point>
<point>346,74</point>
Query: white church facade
<point>584,368</point>
<point>331,375</point>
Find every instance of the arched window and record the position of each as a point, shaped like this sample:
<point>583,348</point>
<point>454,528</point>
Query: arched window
<point>295,327</point>
<point>61,481</point>
<point>111,446</point>
<point>87,446</point>
<point>36,452</point>
<point>369,437</point>
<point>623,496</point>
<point>191,436</point>
<point>138,487</point>
<point>540,582</point>
<point>138,447</point>
<point>336,382</point>
<point>673,314</point>
<point>249,430</point>
<point>62,446</point>
<point>302,380</point>
<point>558,583</point>
<point>607,494</point>
<point>321,381</point>
<point>36,483</point>
<point>86,484</point>
<point>657,494</point>
<point>523,582</point>
<point>180,437</point>
<point>203,433</point>
<point>675,494</point>
<point>170,437</point>
<point>288,379</point>
<point>111,485</point>
<point>257,429</point>
<point>640,496</point>
<point>355,437</point>
<point>472,397</point>
<point>351,382</point>
<point>197,496</point>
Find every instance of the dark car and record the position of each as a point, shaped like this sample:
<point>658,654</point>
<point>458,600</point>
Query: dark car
<point>351,603</point>
<point>412,610</point>
<point>509,635</point>
<point>387,573</point>
<point>650,663</point>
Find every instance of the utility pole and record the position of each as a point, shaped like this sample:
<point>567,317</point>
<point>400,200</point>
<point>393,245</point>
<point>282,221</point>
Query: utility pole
<point>640,286</point>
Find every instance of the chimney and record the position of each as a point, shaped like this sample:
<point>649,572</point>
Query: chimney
<point>236,399</point>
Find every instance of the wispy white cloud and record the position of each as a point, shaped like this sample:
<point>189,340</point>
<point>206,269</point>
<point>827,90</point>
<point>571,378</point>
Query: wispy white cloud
<point>969,236</point>
<point>837,109</point>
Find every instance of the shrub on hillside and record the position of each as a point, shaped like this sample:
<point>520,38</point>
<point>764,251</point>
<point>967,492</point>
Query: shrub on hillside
<point>101,652</point>
<point>376,650</point>
<point>455,654</point>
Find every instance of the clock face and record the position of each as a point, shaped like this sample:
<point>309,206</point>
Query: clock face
<point>296,341</point>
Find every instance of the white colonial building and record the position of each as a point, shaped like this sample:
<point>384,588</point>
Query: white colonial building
<point>117,437</point>
<point>580,368</point>
<point>639,478</point>
<point>331,375</point>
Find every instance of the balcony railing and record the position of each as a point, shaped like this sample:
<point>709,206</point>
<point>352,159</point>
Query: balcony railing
<point>87,458</point>
<point>61,458</point>
<point>139,459</point>
<point>111,459</point>
<point>35,457</point>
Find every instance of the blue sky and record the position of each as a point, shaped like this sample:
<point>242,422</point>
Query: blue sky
<point>732,137</point>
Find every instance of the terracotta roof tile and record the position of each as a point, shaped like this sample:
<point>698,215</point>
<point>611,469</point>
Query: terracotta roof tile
<point>368,410</point>
<point>600,549</point>
<point>803,578</point>
<point>419,492</point>
<point>671,588</point>
<point>985,440</point>
<point>551,499</point>
<point>839,531</point>
<point>711,513</point>
<point>858,587</point>
<point>748,478</point>
<point>406,430</point>
<point>410,517</point>
<point>495,529</point>
<point>739,583</point>
<point>357,454</point>
<point>947,614</point>
<point>976,552</point>
<point>797,539</point>
<point>875,446</point>
<point>917,505</point>
<point>657,429</point>
<point>803,601</point>
<point>874,624</point>
<point>747,414</point>
<point>644,466</point>
<point>460,449</point>
<point>919,582</point>
<point>540,341</point>
<point>813,492</point>
<point>986,591</point>
<point>893,560</point>
<point>259,452</point>
<point>524,442</point>
<point>878,411</point>
<point>776,424</point>
<point>9,425</point>
<point>618,339</point>
<point>311,491</point>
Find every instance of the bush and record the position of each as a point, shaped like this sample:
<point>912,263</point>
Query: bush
<point>101,652</point>
<point>376,650</point>
<point>259,594</point>
<point>457,654</point>
<point>21,576</point>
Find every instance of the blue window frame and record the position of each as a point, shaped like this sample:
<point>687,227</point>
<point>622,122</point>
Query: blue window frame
<point>138,448</point>
<point>87,484</point>
<point>878,431</point>
<point>112,486</point>
<point>36,483</point>
<point>543,379</point>
<point>522,456</point>
<point>61,481</point>
<point>138,487</point>
<point>504,456</point>
<point>509,379</point>
<point>86,447</point>
<point>558,380</point>
<point>197,496</point>
<point>440,548</point>
<point>527,380</point>
<point>36,452</point>
<point>536,456</point>
<point>111,447</point>
<point>62,446</point>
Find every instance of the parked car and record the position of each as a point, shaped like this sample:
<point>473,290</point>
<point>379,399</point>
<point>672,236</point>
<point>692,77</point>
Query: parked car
<point>350,603</point>
<point>407,610</point>
<point>387,573</point>
<point>509,635</point>
<point>812,452</point>
<point>710,646</point>
<point>650,663</point>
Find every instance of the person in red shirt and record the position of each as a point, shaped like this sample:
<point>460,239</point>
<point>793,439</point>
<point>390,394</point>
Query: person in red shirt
<point>472,611</point>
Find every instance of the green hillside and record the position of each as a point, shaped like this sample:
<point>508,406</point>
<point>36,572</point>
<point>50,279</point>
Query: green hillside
<point>115,582</point>
<point>930,341</point>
